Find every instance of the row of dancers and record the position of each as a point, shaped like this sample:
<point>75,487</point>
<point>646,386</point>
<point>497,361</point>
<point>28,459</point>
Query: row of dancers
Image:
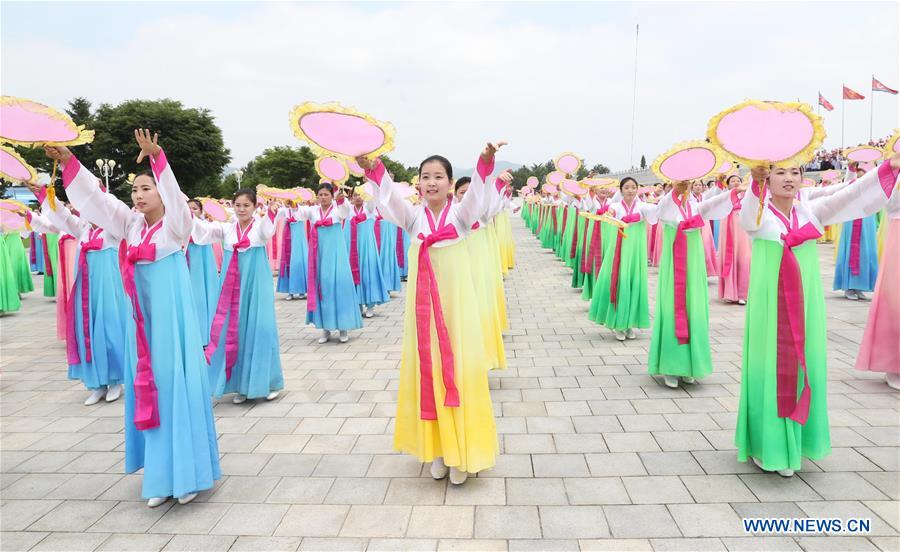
<point>151,312</point>
<point>767,247</point>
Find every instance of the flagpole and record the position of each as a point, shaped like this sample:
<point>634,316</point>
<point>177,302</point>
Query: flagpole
<point>637,29</point>
<point>843,112</point>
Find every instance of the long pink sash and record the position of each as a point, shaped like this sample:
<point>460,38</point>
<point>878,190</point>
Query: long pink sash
<point>284,269</point>
<point>146,408</point>
<point>630,217</point>
<point>855,238</point>
<point>791,333</point>
<point>229,305</point>
<point>354,248</point>
<point>427,299</point>
<point>400,253</point>
<point>729,235</point>
<point>93,243</point>
<point>312,298</point>
<point>680,262</point>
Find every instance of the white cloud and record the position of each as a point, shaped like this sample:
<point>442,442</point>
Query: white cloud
<point>450,76</point>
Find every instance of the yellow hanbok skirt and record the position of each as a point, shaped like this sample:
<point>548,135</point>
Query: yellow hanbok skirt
<point>464,436</point>
<point>484,284</point>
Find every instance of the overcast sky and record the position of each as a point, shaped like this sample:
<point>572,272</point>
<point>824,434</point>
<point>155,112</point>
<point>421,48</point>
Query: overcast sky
<point>547,77</point>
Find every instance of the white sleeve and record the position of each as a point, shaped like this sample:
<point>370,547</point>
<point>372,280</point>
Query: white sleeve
<point>63,219</point>
<point>391,204</point>
<point>716,207</point>
<point>207,232</point>
<point>861,199</point>
<point>94,205</point>
<point>41,223</point>
<point>177,222</point>
<point>477,200</point>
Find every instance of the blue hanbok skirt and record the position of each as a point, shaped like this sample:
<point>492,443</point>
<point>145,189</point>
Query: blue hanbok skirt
<point>180,456</point>
<point>292,278</point>
<point>257,371</point>
<point>337,303</point>
<point>205,283</point>
<point>388,255</point>
<point>110,322</point>
<point>372,288</point>
<point>868,257</point>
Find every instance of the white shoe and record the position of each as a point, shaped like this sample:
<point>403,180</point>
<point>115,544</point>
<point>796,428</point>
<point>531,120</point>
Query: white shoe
<point>95,396</point>
<point>370,312</point>
<point>689,379</point>
<point>301,296</point>
<point>851,294</point>
<point>187,498</point>
<point>742,302</point>
<point>438,469</point>
<point>273,395</point>
<point>343,337</point>
<point>325,336</point>
<point>458,477</point>
<point>782,473</point>
<point>290,297</point>
<point>630,333</point>
<point>861,296</point>
<point>157,501</point>
<point>786,473</point>
<point>620,335</point>
<point>113,393</point>
<point>893,380</point>
<point>671,381</point>
<point>238,399</point>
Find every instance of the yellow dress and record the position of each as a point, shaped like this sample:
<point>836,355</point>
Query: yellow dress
<point>464,436</point>
<point>497,268</point>
<point>484,275</point>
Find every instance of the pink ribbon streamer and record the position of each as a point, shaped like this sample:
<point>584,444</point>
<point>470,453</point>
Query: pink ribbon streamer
<point>284,269</point>
<point>855,237</point>
<point>312,298</point>
<point>378,232</point>
<point>680,262</point>
<point>229,305</point>
<point>146,408</point>
<point>33,247</point>
<point>572,250</point>
<point>354,248</point>
<point>400,261</point>
<point>48,264</point>
<point>428,299</point>
<point>93,243</point>
<point>791,334</point>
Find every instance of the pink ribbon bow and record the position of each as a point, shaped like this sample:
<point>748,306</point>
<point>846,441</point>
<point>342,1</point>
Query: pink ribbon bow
<point>93,243</point>
<point>229,305</point>
<point>312,298</point>
<point>428,299</point>
<point>791,340</point>
<point>400,260</point>
<point>680,261</point>
<point>146,408</point>
<point>354,249</point>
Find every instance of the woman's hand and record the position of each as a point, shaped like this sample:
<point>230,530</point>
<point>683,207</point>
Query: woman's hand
<point>895,161</point>
<point>491,149</point>
<point>148,144</point>
<point>760,173</point>
<point>58,153</point>
<point>366,163</point>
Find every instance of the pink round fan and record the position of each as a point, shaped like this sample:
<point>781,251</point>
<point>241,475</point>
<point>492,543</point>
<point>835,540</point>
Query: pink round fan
<point>332,169</point>
<point>687,161</point>
<point>27,122</point>
<point>12,205</point>
<point>306,194</point>
<point>277,193</point>
<point>354,168</point>
<point>11,222</point>
<point>549,188</point>
<point>862,154</point>
<point>406,190</point>
<point>573,187</point>
<point>867,165</point>
<point>567,163</point>
<point>339,130</point>
<point>532,182</point>
<point>214,209</point>
<point>13,167</point>
<point>725,167</point>
<point>807,182</point>
<point>768,132</point>
<point>830,175</point>
<point>555,178</point>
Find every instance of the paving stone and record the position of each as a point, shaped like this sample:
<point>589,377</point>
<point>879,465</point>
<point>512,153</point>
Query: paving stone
<point>376,521</point>
<point>508,522</point>
<point>136,542</point>
<point>717,488</point>
<point>250,519</point>
<point>73,542</point>
<point>707,520</point>
<point>535,492</point>
<point>640,521</point>
<point>578,522</point>
<point>189,543</point>
<point>446,522</point>
<point>312,521</point>
<point>656,490</point>
<point>72,516</point>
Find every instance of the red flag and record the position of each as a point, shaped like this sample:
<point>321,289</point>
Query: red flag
<point>825,103</point>
<point>852,94</point>
<point>878,86</point>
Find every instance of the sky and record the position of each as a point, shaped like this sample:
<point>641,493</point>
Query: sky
<point>548,77</point>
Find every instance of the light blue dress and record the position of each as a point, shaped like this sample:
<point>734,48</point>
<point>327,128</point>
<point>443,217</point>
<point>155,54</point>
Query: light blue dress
<point>868,257</point>
<point>205,283</point>
<point>292,275</point>
<point>372,288</point>
<point>337,302</point>
<point>388,255</point>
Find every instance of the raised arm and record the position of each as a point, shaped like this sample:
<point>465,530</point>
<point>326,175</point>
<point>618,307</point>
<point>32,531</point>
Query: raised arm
<point>862,198</point>
<point>206,232</point>
<point>177,222</point>
<point>94,205</point>
<point>475,203</point>
<point>40,223</point>
<point>390,202</point>
<point>718,206</point>
<point>61,217</point>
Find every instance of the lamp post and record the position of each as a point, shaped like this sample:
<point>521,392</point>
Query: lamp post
<point>106,167</point>
<point>238,174</point>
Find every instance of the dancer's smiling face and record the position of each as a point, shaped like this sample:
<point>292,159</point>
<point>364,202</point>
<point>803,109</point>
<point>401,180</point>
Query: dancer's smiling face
<point>629,190</point>
<point>434,182</point>
<point>244,207</point>
<point>785,181</point>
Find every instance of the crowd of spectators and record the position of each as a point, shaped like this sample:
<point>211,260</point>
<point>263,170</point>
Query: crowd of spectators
<point>832,159</point>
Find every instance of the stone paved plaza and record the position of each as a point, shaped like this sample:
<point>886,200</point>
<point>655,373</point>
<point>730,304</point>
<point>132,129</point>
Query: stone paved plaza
<point>595,454</point>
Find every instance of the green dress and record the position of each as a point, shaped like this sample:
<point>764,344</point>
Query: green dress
<point>631,309</point>
<point>18,260</point>
<point>52,241</point>
<point>781,443</point>
<point>578,238</point>
<point>9,284</point>
<point>667,356</point>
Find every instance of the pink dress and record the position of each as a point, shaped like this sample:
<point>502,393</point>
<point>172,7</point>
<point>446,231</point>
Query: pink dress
<point>880,347</point>
<point>656,246</point>
<point>709,247</point>
<point>68,250</point>
<point>734,259</point>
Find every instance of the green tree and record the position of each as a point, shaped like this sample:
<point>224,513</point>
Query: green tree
<point>193,143</point>
<point>281,167</point>
<point>401,173</point>
<point>643,162</point>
